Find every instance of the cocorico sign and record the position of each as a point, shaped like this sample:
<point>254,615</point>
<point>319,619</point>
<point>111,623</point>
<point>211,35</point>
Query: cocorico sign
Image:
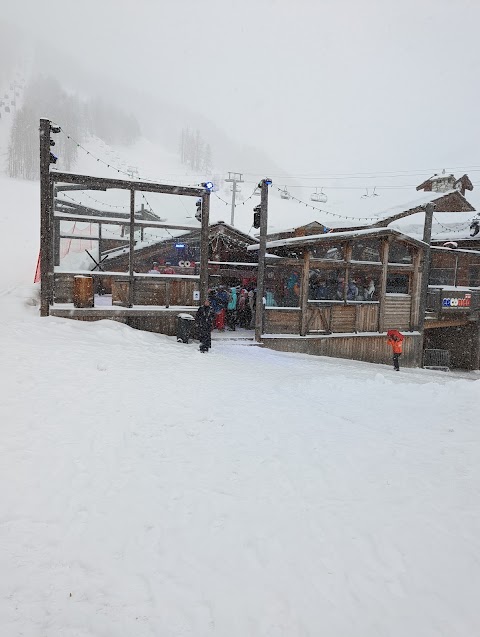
<point>456,300</point>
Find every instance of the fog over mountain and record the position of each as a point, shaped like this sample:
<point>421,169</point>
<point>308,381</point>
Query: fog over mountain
<point>304,90</point>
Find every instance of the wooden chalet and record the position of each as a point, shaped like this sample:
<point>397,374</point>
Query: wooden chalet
<point>444,183</point>
<point>181,254</point>
<point>342,292</point>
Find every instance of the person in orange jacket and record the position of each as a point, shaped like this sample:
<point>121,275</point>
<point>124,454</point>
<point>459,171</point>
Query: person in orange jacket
<point>395,341</point>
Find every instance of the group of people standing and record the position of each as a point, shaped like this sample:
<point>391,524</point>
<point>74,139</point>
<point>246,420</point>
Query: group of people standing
<point>225,307</point>
<point>331,288</point>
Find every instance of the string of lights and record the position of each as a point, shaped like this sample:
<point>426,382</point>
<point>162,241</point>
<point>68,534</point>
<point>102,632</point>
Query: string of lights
<point>149,208</point>
<point>327,212</point>
<point>227,203</point>
<point>102,203</point>
<point>153,212</point>
<point>84,194</point>
<point>106,163</point>
<point>447,229</point>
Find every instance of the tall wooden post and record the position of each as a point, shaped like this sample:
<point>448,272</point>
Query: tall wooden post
<point>416,289</point>
<point>348,258</point>
<point>427,237</point>
<point>204,246</point>
<point>304,292</point>
<point>46,222</point>
<point>100,244</point>
<point>131,273</point>
<point>260,308</point>
<point>56,242</point>
<point>383,286</point>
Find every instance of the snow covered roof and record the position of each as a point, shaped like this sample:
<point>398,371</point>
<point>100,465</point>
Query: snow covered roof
<point>337,237</point>
<point>455,250</point>
<point>446,226</point>
<point>427,197</point>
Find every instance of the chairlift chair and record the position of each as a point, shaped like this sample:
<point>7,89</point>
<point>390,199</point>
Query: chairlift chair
<point>257,192</point>
<point>284,194</point>
<point>320,197</point>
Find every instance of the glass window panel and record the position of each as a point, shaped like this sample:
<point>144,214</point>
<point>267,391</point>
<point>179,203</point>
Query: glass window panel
<point>398,284</point>
<point>400,252</point>
<point>326,285</point>
<point>441,276</point>
<point>282,286</point>
<point>328,252</point>
<point>366,250</point>
<point>363,285</point>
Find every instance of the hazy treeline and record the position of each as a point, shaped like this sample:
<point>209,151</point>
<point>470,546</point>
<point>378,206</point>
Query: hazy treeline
<point>194,151</point>
<point>44,97</point>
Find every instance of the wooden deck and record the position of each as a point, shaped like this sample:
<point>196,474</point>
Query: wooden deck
<point>150,318</point>
<point>367,346</point>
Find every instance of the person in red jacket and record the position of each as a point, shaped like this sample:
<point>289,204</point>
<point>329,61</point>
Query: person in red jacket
<point>395,340</point>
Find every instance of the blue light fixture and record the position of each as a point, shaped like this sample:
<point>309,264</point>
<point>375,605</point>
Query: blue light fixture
<point>208,185</point>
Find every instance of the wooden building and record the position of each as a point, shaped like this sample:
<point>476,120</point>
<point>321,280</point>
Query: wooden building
<point>342,292</point>
<point>444,183</point>
<point>227,248</point>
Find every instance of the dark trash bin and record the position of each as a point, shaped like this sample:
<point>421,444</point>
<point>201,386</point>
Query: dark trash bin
<point>185,324</point>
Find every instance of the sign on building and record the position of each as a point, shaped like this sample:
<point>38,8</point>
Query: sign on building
<point>456,300</point>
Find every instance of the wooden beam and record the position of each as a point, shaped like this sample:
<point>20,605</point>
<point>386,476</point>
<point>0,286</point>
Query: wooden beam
<point>56,242</point>
<point>74,208</point>
<point>120,222</point>
<point>204,246</point>
<point>46,225</point>
<point>348,257</point>
<point>383,285</point>
<point>260,307</point>
<point>131,253</point>
<point>124,184</point>
<point>304,293</point>
<point>66,188</point>
<point>100,244</point>
<point>416,289</point>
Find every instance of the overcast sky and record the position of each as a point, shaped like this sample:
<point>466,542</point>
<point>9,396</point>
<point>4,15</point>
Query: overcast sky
<point>319,85</point>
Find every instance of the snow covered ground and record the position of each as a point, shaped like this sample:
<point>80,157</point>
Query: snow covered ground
<point>151,490</point>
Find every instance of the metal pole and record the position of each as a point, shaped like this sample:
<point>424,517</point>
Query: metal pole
<point>259,309</point>
<point>131,250</point>
<point>427,237</point>
<point>204,246</point>
<point>46,274</point>
<point>234,192</point>
<point>234,178</point>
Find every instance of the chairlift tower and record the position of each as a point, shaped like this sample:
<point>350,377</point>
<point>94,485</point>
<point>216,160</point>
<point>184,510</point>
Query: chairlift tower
<point>234,179</point>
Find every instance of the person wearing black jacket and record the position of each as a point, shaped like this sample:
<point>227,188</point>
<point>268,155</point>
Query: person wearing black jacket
<point>204,319</point>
